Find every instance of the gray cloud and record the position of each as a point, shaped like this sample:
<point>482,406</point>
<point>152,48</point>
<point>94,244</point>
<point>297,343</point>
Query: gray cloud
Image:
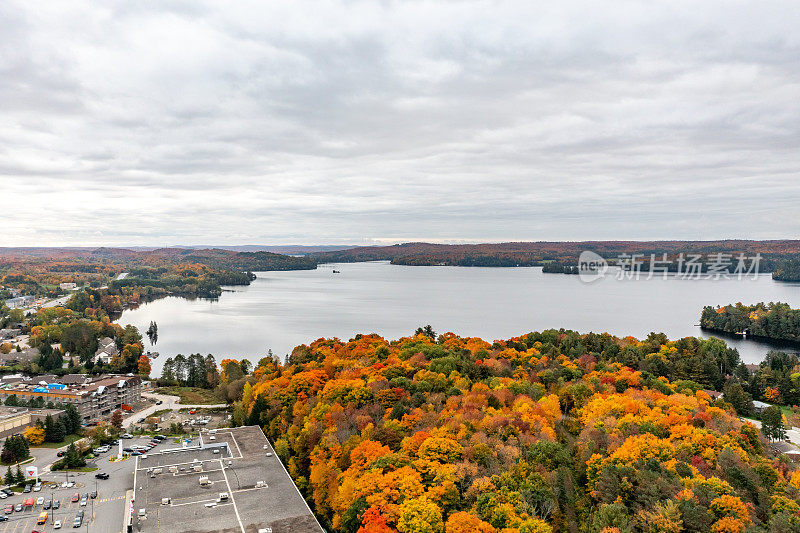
<point>204,122</point>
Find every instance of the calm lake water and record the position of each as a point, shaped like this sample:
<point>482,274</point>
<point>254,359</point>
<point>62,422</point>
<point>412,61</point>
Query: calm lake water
<point>281,310</point>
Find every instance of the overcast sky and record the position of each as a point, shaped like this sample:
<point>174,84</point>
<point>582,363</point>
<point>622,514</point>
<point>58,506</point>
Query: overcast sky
<point>169,122</point>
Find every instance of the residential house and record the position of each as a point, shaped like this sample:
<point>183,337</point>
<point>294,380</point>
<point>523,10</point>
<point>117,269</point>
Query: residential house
<point>106,351</point>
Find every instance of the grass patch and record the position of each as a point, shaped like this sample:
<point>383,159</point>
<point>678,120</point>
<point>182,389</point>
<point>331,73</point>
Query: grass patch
<point>192,395</point>
<point>27,460</point>
<point>69,440</point>
<point>79,469</point>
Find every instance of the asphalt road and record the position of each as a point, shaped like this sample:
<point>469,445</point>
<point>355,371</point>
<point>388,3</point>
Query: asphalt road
<point>792,433</point>
<point>102,515</point>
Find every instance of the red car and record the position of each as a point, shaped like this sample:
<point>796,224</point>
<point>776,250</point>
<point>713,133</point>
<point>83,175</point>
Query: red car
<point>9,509</point>
<point>76,497</point>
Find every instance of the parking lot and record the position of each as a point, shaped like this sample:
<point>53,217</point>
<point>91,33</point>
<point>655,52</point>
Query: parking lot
<point>104,514</point>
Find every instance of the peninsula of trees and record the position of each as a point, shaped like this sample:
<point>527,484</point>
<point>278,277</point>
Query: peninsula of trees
<point>773,321</point>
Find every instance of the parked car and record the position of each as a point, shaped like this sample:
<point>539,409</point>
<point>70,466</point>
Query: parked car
<point>3,518</point>
<point>159,402</point>
<point>101,475</point>
<point>126,436</point>
<point>79,513</point>
<point>93,494</point>
<point>37,487</point>
<point>70,484</point>
<point>137,452</point>
<point>57,524</point>
<point>8,492</point>
<point>76,497</point>
<point>9,509</point>
<point>18,508</point>
<point>3,495</point>
<point>47,505</point>
<point>61,454</point>
<point>27,489</point>
<point>127,450</point>
<point>77,522</point>
<point>56,504</point>
<point>40,500</point>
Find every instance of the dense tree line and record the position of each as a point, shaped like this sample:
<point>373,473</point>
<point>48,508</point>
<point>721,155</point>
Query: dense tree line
<point>509,254</point>
<point>775,321</point>
<point>190,371</point>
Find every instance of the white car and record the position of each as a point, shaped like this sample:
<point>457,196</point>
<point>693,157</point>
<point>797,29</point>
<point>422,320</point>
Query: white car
<point>64,485</point>
<point>57,524</point>
<point>40,500</point>
<point>70,484</point>
<point>37,487</point>
<point>3,495</point>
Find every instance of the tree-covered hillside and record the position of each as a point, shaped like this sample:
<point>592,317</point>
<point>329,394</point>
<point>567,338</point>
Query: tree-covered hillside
<point>551,431</point>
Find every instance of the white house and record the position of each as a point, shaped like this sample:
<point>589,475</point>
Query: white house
<point>106,351</point>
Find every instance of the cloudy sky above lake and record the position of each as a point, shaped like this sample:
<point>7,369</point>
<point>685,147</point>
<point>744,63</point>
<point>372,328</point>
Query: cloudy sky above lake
<point>188,122</point>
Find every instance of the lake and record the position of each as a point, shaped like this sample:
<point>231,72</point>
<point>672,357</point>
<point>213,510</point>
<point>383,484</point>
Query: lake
<point>281,310</point>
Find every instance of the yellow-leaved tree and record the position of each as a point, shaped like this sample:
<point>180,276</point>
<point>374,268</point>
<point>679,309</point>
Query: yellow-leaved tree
<point>420,515</point>
<point>34,435</point>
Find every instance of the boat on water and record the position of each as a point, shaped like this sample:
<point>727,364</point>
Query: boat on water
<point>337,271</point>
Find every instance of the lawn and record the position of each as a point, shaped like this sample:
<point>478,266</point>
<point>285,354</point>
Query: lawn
<point>192,395</point>
<point>69,440</point>
<point>79,469</point>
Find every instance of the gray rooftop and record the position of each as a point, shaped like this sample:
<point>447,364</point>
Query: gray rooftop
<point>239,469</point>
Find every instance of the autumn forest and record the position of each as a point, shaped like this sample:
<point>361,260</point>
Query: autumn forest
<point>550,431</point>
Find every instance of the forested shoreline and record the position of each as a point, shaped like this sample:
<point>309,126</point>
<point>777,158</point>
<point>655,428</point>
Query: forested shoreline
<point>771,321</point>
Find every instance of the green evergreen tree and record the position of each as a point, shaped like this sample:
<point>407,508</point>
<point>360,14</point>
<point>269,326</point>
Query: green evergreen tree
<point>48,428</point>
<point>72,419</point>
<point>19,477</point>
<point>772,423</point>
<point>9,477</point>
<point>59,431</point>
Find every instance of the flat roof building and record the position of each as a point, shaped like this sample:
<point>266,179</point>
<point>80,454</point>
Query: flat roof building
<point>230,481</point>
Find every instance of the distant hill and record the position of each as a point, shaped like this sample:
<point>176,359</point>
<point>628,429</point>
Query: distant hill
<point>291,249</point>
<point>509,254</point>
<point>93,259</point>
